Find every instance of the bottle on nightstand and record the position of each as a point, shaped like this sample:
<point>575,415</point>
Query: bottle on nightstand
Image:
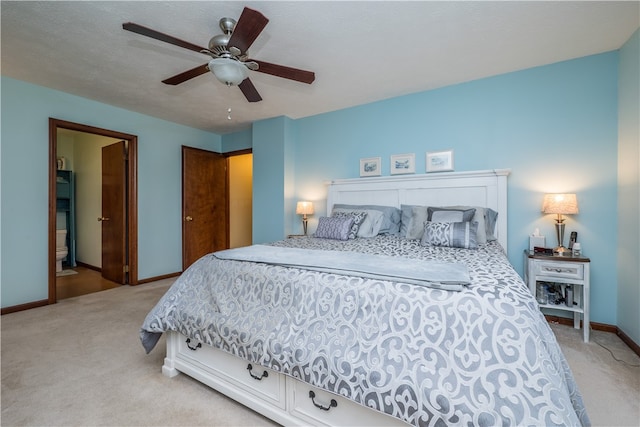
<point>541,293</point>
<point>568,296</point>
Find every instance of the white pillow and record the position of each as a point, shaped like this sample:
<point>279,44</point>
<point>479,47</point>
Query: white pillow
<point>372,223</point>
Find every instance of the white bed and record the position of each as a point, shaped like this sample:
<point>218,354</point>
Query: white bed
<point>303,396</point>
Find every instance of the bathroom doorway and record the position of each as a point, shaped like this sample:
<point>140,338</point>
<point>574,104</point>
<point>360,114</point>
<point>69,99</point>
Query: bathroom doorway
<point>83,146</point>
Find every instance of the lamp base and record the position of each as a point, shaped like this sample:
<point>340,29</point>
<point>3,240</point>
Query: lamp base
<point>561,251</point>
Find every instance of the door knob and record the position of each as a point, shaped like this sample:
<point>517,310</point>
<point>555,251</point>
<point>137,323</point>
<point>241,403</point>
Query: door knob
<point>101,218</point>
<point>188,218</point>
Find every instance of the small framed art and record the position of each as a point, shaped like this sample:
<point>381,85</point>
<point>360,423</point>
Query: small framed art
<point>440,161</point>
<point>403,163</point>
<point>370,166</point>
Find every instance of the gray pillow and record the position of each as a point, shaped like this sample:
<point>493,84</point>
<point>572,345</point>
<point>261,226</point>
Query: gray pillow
<point>450,215</point>
<point>450,234</point>
<point>491,217</point>
<point>406,212</point>
<point>391,220</point>
<point>415,228</point>
<point>337,228</point>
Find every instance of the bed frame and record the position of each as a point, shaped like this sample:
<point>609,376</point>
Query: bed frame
<point>289,401</point>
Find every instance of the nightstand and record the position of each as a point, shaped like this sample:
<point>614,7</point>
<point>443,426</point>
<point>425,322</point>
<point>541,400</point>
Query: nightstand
<point>567,272</point>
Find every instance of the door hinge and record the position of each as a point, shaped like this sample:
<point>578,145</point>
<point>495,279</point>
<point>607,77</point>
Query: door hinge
<point>125,268</point>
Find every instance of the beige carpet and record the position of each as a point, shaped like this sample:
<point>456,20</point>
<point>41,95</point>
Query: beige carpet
<point>80,363</point>
<point>610,388</point>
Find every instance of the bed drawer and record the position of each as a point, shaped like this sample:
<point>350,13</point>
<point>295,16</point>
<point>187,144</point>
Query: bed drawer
<point>304,406</point>
<point>252,378</point>
<point>560,270</point>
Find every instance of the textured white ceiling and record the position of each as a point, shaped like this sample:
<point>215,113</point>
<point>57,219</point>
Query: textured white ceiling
<point>360,51</point>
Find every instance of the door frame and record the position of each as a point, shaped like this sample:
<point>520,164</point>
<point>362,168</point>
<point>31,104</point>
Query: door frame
<point>132,197</point>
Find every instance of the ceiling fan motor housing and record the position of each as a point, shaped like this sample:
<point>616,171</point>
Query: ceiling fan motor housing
<point>219,44</point>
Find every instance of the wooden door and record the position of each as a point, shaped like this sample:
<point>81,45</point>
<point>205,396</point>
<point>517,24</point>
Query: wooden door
<point>205,214</point>
<point>113,219</point>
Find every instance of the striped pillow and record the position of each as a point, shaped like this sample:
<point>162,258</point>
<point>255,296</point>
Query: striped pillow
<point>450,234</point>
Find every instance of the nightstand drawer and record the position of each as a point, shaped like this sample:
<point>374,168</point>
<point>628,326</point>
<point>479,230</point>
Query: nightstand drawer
<point>566,270</point>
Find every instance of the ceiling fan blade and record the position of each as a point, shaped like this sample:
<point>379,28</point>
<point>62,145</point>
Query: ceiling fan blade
<point>249,90</point>
<point>285,72</point>
<point>187,75</point>
<point>249,26</point>
<point>135,28</point>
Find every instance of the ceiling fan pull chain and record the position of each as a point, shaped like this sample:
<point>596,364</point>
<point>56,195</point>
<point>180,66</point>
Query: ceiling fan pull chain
<point>229,113</point>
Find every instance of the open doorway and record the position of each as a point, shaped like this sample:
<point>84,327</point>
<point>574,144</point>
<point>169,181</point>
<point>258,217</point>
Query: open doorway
<point>61,177</point>
<point>240,199</point>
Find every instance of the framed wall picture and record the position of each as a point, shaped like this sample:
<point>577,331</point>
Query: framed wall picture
<point>403,163</point>
<point>440,161</point>
<point>370,166</point>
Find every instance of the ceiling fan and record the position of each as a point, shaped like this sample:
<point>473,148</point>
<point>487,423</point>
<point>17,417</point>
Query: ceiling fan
<point>230,61</point>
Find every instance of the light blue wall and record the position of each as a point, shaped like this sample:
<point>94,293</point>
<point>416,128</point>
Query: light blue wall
<point>629,190</point>
<point>555,126</point>
<point>270,172</point>
<point>237,141</point>
<point>26,109</point>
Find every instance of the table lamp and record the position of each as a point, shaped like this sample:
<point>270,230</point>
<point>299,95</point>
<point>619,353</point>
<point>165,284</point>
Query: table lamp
<point>304,209</point>
<point>560,204</point>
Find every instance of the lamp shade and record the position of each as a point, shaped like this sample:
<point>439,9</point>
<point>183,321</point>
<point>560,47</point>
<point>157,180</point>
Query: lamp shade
<point>228,71</point>
<point>563,204</point>
<point>304,208</point>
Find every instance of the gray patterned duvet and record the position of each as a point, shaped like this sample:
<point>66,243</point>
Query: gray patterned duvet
<point>480,356</point>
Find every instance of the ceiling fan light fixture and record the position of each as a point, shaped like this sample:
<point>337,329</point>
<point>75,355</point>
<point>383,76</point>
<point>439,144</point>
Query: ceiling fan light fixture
<point>229,71</point>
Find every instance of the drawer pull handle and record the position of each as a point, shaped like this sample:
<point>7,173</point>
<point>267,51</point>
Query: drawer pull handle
<point>265,374</point>
<point>193,348</point>
<point>333,403</point>
<point>558,270</point>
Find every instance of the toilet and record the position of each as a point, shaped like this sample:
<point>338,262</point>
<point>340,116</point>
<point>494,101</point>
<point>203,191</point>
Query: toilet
<point>61,248</point>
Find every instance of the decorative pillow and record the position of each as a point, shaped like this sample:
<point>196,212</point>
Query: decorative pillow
<point>486,218</point>
<point>450,234</point>
<point>358,218</point>
<point>450,215</point>
<point>391,221</point>
<point>337,228</point>
<point>419,216</point>
<point>371,225</point>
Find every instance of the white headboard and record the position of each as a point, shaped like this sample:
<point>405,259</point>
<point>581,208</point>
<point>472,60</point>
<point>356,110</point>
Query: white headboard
<point>486,188</point>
